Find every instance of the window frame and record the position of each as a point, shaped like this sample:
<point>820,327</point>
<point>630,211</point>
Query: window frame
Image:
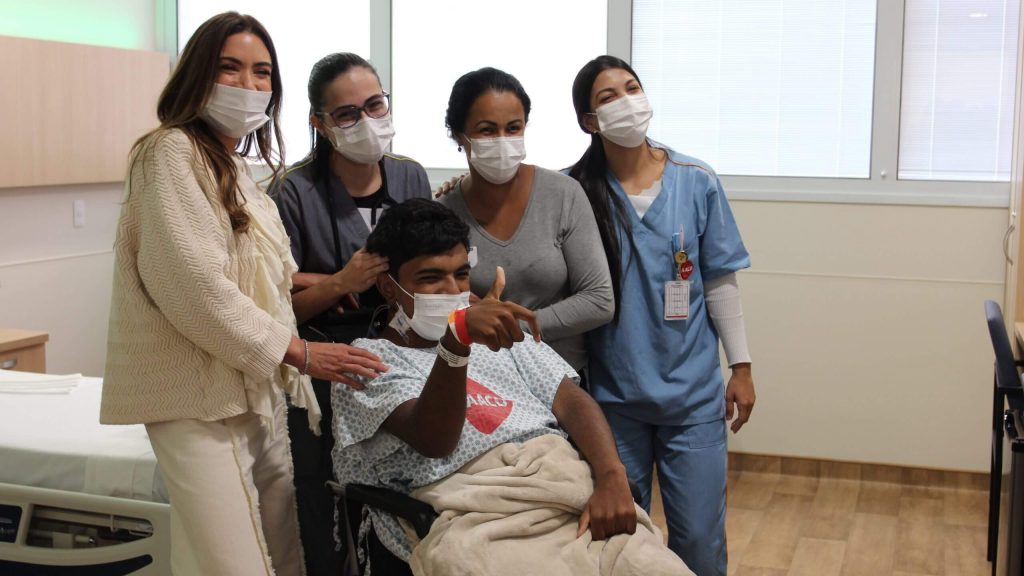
<point>881,187</point>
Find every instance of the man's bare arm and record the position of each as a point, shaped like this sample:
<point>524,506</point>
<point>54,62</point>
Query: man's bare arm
<point>610,510</point>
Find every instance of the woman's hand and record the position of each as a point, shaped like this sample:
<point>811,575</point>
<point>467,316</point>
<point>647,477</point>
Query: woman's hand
<point>610,510</point>
<point>739,393</point>
<point>337,290</point>
<point>450,185</point>
<point>494,323</point>
<point>335,362</point>
<point>360,273</point>
<point>341,362</point>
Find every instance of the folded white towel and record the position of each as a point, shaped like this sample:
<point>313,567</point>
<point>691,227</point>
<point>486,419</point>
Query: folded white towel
<point>12,382</point>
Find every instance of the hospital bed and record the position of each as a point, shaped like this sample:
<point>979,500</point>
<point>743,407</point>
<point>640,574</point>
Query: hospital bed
<point>76,497</point>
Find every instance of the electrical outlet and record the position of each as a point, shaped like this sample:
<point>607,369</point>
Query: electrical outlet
<point>78,210</point>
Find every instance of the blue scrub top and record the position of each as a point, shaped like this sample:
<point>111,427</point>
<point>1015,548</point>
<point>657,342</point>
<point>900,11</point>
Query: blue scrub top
<point>657,371</point>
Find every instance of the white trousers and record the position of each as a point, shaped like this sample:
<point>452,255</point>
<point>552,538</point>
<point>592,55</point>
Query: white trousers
<point>232,496</point>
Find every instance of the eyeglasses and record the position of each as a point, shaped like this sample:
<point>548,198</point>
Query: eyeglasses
<point>347,116</point>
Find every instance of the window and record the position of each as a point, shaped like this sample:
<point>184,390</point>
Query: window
<point>875,101</point>
<point>302,35</point>
<point>540,42</point>
<point>780,88</point>
<point>959,77</point>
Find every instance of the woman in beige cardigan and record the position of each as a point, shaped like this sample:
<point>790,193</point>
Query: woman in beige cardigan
<point>202,341</point>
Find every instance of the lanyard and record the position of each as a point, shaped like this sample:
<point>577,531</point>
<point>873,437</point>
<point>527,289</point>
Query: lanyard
<point>332,207</point>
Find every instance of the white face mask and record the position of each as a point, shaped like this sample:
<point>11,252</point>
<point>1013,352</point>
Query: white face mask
<point>497,159</point>
<point>235,112</point>
<point>624,121</point>
<point>365,142</point>
<point>430,315</point>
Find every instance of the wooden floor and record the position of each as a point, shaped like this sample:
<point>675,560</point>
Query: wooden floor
<point>779,525</point>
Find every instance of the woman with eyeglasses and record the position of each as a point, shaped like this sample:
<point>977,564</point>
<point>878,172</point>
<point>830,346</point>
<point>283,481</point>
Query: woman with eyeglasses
<point>533,222</point>
<point>329,202</point>
<point>202,343</point>
<point>673,248</point>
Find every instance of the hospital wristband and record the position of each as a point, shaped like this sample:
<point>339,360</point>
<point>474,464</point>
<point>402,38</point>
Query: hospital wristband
<point>457,324</point>
<point>453,360</point>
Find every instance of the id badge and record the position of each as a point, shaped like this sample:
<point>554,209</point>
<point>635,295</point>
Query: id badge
<point>677,300</point>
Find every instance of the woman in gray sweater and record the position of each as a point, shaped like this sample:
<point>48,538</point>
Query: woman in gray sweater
<point>535,223</point>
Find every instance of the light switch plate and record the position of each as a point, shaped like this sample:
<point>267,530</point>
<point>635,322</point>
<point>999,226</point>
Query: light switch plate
<point>78,209</point>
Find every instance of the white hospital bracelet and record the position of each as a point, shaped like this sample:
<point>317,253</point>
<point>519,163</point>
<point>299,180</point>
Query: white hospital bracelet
<point>453,360</point>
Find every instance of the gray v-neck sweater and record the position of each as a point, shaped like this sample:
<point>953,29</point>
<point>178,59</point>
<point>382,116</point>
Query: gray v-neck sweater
<point>554,262</point>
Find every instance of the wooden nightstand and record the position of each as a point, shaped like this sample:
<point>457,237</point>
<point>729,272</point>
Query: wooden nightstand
<point>23,350</point>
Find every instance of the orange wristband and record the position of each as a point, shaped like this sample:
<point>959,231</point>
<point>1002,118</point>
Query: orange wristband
<point>457,324</point>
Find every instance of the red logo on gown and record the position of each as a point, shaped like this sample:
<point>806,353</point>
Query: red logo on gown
<point>485,409</point>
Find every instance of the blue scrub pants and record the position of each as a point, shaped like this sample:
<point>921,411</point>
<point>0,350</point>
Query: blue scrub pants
<point>692,463</point>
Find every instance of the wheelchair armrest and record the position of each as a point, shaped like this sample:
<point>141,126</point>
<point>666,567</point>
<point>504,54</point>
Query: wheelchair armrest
<point>420,514</point>
<point>1012,391</point>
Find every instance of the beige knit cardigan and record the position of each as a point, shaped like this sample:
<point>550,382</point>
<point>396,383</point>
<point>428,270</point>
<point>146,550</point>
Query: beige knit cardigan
<point>183,328</point>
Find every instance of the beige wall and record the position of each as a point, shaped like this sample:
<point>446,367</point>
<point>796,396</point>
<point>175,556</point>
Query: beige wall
<point>867,330</point>
<point>53,276</point>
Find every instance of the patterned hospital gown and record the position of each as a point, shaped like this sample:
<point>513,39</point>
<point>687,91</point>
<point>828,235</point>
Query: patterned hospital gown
<point>509,395</point>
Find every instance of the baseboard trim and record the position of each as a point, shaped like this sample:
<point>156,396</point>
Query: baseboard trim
<point>868,472</point>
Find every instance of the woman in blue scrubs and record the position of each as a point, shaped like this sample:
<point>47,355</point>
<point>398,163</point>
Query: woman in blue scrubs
<point>673,250</point>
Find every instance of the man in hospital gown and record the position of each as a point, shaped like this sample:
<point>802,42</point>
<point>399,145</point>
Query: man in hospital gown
<point>470,418</point>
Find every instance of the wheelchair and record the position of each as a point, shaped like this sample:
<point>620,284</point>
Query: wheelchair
<point>350,502</point>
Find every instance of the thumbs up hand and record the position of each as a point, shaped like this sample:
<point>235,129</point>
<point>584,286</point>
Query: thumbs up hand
<point>498,286</point>
<point>494,323</point>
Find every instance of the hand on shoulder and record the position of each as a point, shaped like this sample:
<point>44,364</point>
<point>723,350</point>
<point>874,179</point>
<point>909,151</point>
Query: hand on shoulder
<point>450,185</point>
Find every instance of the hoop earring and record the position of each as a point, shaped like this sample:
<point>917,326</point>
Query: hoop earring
<point>460,147</point>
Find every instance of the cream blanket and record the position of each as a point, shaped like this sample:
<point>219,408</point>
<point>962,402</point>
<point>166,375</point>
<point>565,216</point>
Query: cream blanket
<point>515,511</point>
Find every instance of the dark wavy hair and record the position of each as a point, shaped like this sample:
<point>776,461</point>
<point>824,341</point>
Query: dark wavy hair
<point>416,227</point>
<point>591,170</point>
<point>471,86</point>
<point>186,93</point>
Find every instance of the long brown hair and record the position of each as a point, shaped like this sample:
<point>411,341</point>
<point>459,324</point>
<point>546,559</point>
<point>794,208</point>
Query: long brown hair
<point>188,90</point>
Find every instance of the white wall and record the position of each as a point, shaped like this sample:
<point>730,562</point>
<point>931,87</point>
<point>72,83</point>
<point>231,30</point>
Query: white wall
<point>865,321</point>
<point>55,277</point>
<point>867,330</point>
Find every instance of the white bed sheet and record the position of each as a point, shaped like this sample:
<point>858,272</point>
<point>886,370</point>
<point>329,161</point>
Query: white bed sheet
<point>56,441</point>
